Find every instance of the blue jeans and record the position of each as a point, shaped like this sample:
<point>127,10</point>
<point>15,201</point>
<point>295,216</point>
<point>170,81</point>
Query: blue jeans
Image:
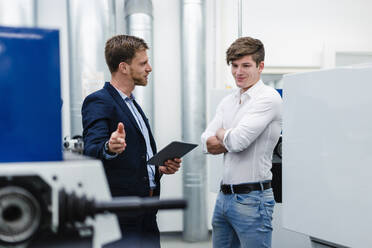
<point>243,220</point>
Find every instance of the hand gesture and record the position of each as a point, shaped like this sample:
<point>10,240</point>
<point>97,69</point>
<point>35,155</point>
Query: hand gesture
<point>117,143</point>
<point>170,166</point>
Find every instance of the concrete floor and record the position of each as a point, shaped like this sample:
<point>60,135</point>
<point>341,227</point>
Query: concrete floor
<point>175,240</point>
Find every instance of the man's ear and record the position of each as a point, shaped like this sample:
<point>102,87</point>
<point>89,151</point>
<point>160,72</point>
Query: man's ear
<point>261,66</point>
<point>123,67</point>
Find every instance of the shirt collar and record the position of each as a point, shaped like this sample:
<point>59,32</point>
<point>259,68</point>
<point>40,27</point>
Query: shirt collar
<point>250,92</point>
<point>129,98</point>
<point>124,96</point>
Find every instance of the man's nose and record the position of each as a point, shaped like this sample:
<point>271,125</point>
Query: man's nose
<point>149,68</point>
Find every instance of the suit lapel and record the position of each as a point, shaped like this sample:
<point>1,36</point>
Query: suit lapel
<point>120,101</point>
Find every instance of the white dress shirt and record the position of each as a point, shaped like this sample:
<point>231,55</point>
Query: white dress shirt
<point>252,121</point>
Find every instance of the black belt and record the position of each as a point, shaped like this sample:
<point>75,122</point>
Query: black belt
<point>243,188</point>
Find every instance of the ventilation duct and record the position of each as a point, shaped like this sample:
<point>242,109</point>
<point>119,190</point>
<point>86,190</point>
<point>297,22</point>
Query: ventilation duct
<point>193,117</point>
<point>90,24</point>
<point>138,18</point>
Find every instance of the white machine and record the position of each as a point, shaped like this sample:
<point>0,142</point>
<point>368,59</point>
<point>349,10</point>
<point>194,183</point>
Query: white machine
<point>63,204</point>
<point>327,140</point>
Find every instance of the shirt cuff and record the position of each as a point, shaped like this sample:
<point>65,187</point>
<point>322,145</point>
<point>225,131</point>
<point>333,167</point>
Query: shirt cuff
<point>108,156</point>
<point>204,145</point>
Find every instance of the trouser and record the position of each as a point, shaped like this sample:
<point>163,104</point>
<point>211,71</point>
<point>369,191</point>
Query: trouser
<point>243,220</point>
<point>139,231</point>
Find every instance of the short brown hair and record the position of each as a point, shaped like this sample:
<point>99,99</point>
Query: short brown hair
<point>246,46</point>
<point>122,48</point>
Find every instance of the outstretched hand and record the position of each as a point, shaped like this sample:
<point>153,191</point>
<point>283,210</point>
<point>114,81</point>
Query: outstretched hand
<point>170,166</point>
<point>117,140</point>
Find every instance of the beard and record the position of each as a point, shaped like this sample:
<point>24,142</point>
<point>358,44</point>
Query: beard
<point>139,80</point>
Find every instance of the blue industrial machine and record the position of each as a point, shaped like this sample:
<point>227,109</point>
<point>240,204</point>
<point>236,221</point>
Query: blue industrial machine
<point>30,126</point>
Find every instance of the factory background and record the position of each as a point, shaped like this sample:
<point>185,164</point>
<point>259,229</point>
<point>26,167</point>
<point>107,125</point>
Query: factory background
<point>299,36</point>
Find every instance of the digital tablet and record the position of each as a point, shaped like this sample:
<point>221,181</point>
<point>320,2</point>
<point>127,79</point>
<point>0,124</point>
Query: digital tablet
<point>175,149</point>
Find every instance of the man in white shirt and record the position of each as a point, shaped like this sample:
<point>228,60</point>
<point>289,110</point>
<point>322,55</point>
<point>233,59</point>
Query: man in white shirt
<point>246,128</point>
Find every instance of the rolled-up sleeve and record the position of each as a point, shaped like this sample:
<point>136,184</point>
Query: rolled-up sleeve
<point>254,122</point>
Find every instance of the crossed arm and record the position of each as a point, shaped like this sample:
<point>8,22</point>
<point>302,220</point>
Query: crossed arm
<point>217,140</point>
<point>215,145</point>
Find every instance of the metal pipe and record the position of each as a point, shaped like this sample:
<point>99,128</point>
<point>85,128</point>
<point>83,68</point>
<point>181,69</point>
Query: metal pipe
<point>193,117</point>
<point>35,13</point>
<point>138,18</point>
<point>239,18</point>
<point>90,24</point>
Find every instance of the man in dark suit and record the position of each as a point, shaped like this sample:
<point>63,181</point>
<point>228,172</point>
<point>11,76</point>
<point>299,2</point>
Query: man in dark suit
<point>117,131</point>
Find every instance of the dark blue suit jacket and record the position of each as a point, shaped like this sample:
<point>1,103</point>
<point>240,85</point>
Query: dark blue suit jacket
<point>127,173</point>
